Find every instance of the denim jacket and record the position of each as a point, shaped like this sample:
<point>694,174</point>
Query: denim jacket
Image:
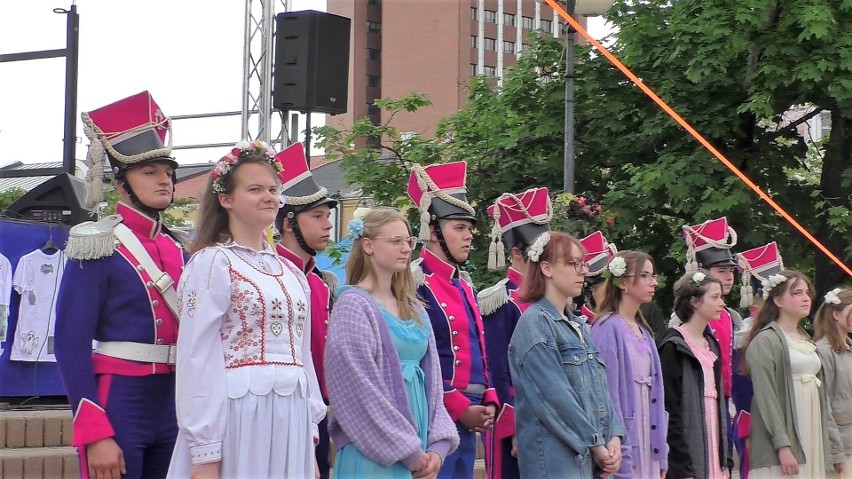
<point>562,404</point>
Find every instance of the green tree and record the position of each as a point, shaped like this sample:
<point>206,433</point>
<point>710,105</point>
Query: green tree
<point>734,70</point>
<point>9,196</point>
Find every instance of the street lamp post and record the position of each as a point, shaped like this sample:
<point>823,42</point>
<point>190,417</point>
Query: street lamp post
<point>568,168</point>
<point>585,8</point>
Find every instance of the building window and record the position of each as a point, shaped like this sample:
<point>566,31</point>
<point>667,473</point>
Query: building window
<point>374,81</point>
<point>373,2</point>
<point>490,71</point>
<point>509,19</point>
<point>546,25</point>
<point>474,41</point>
<point>374,54</point>
<point>509,47</point>
<point>473,69</point>
<point>373,27</point>
<point>490,16</point>
<point>824,124</point>
<point>490,44</point>
<point>527,22</point>
<point>474,13</point>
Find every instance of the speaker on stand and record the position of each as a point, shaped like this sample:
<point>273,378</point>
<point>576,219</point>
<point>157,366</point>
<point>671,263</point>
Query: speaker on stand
<point>311,64</point>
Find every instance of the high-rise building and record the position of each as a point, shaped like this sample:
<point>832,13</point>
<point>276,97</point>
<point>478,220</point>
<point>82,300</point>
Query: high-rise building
<point>433,47</point>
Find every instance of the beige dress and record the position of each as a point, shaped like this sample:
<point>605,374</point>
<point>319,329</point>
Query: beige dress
<point>805,364</point>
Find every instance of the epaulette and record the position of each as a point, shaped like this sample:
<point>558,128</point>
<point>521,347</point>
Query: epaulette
<point>674,321</point>
<point>493,298</point>
<point>741,334</point>
<point>181,237</point>
<point>417,272</point>
<point>330,279</point>
<point>736,318</point>
<point>464,275</point>
<point>93,240</point>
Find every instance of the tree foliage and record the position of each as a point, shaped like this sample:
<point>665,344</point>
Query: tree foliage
<point>733,69</point>
<point>9,196</point>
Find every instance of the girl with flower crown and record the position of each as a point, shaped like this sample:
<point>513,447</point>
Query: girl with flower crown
<point>627,346</point>
<point>565,422</point>
<point>384,379</point>
<point>248,401</point>
<point>832,327</point>
<point>789,412</point>
<point>692,377</point>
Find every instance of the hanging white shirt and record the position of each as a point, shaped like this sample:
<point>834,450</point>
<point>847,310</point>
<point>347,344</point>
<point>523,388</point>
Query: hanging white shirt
<point>5,295</point>
<point>37,279</point>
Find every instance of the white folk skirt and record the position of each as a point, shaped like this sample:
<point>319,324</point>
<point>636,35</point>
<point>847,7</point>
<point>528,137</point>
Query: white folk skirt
<point>268,436</point>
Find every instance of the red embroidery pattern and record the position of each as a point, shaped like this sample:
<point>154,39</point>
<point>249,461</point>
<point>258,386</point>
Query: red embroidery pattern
<point>245,324</point>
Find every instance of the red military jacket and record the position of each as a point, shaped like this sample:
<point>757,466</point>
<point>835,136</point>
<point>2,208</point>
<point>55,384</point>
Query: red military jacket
<point>322,299</point>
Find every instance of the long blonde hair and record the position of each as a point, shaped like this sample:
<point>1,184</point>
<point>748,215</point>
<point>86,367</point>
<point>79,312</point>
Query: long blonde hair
<point>359,265</point>
<point>826,327</point>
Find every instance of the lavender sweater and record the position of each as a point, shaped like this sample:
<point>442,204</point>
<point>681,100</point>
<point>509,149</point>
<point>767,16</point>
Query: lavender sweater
<point>366,391</point>
<point>610,334</point>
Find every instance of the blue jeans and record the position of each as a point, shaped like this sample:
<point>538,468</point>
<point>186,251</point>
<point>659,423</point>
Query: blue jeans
<point>459,464</point>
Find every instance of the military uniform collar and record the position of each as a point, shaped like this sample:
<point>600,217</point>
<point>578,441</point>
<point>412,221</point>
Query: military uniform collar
<point>515,276</point>
<point>295,258</point>
<point>439,267</point>
<point>138,221</point>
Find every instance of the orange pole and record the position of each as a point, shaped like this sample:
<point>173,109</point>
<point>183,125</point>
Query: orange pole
<point>670,111</point>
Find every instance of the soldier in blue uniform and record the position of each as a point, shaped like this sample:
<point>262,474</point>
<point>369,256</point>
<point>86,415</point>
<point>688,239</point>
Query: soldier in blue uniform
<point>120,290</point>
<point>447,222</point>
<point>519,219</point>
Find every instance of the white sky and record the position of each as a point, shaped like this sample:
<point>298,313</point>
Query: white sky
<point>187,53</point>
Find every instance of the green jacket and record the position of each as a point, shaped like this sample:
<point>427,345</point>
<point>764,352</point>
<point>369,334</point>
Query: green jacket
<point>773,410</point>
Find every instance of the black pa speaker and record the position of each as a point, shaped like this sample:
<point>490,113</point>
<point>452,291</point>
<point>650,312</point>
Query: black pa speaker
<point>311,70</point>
<point>57,200</point>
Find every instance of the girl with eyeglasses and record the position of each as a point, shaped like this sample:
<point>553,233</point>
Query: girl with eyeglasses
<point>626,343</point>
<point>566,425</point>
<point>383,378</point>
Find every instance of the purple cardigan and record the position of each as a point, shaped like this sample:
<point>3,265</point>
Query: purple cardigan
<point>610,333</point>
<point>366,391</point>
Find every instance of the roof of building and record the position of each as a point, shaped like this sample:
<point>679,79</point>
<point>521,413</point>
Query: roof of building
<point>30,182</point>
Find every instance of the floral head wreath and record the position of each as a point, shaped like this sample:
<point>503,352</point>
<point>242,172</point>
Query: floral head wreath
<point>239,152</point>
<point>770,283</point>
<point>698,277</point>
<point>832,297</point>
<point>537,247</point>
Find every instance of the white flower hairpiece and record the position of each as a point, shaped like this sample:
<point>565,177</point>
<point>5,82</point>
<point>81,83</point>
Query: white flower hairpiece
<point>356,228</point>
<point>537,247</point>
<point>698,277</point>
<point>617,266</point>
<point>832,297</point>
<point>771,282</point>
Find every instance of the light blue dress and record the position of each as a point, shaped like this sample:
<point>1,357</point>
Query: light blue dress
<point>411,339</point>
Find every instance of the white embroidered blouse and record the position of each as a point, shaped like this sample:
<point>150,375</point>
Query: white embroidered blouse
<point>244,327</point>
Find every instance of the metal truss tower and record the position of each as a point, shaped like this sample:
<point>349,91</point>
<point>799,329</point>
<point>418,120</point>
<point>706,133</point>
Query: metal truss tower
<point>258,45</point>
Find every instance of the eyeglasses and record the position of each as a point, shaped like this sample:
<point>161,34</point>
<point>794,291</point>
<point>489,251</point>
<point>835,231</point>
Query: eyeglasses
<point>579,266</point>
<point>646,277</point>
<point>398,241</point>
